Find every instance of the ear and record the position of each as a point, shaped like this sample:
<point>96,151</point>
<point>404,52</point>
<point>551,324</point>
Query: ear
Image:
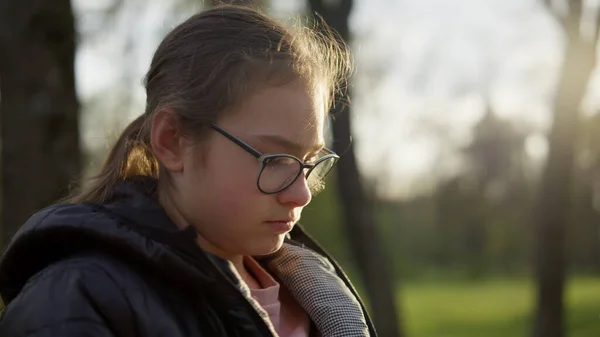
<point>167,140</point>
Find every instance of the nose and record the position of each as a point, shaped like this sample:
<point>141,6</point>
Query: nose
<point>297,194</point>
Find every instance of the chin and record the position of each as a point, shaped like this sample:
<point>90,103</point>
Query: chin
<point>268,247</point>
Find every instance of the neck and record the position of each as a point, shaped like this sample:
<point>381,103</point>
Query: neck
<point>180,221</point>
<point>236,260</point>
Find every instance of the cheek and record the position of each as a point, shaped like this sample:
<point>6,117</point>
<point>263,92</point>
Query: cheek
<point>221,185</point>
<point>231,175</point>
<point>232,185</point>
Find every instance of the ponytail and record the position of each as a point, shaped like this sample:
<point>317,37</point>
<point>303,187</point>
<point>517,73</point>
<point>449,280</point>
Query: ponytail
<point>130,156</point>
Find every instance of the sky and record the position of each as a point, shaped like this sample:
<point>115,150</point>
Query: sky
<point>426,72</point>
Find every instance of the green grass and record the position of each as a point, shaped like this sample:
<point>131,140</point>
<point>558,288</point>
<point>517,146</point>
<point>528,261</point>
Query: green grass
<point>495,308</point>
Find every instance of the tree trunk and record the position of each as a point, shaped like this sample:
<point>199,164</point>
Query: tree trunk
<point>555,193</point>
<point>39,107</point>
<point>358,218</point>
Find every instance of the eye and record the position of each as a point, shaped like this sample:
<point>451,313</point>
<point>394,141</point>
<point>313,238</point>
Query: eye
<point>281,161</point>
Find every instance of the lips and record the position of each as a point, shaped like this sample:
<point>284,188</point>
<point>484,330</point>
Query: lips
<point>281,225</point>
<point>283,220</point>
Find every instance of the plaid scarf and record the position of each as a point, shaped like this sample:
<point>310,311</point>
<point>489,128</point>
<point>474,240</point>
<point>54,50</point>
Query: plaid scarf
<point>312,279</point>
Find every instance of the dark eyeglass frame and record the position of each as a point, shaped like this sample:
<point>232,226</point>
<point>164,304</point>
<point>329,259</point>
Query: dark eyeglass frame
<point>264,159</point>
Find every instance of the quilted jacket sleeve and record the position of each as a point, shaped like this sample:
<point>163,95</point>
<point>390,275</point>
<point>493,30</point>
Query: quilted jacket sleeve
<point>70,298</point>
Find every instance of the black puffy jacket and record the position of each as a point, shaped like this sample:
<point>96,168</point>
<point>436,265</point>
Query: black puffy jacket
<point>124,269</point>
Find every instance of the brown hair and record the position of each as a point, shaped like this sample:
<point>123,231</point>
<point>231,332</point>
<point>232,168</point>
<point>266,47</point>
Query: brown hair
<point>207,65</point>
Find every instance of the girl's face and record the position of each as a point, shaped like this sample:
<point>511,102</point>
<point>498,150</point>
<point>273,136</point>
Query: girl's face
<point>216,189</point>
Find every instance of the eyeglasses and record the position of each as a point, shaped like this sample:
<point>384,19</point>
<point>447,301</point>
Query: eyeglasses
<point>279,171</point>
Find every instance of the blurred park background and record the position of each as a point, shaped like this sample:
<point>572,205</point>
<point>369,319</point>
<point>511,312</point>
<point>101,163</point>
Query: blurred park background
<point>467,200</point>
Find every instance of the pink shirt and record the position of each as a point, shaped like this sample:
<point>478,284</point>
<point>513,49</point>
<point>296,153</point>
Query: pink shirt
<point>286,315</point>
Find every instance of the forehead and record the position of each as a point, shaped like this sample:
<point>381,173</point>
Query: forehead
<point>290,110</point>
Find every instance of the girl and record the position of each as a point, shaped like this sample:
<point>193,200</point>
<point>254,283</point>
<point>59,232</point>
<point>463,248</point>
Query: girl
<point>190,227</point>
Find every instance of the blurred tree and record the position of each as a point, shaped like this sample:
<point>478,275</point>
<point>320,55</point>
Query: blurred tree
<point>584,237</point>
<point>495,155</point>
<point>39,119</point>
<point>358,216</point>
<point>555,192</point>
<point>494,167</point>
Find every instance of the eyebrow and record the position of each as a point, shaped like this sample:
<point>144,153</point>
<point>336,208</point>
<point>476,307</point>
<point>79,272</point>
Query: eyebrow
<point>290,145</point>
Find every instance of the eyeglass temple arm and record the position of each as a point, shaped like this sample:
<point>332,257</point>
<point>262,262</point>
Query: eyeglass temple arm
<point>239,142</point>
